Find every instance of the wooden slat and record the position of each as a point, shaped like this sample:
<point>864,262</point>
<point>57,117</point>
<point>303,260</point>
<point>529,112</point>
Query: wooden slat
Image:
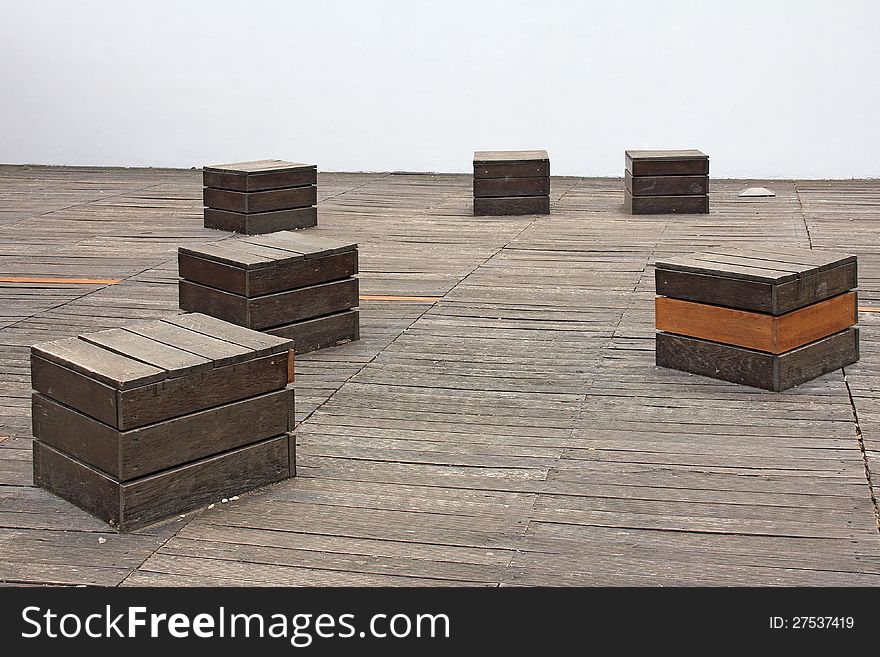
<point>98,363</point>
<point>774,334</point>
<point>680,204</point>
<point>256,223</point>
<point>140,502</point>
<point>126,455</point>
<point>175,361</point>
<point>755,368</point>
<point>260,343</point>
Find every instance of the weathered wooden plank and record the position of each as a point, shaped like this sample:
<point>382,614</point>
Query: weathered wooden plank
<point>126,455</point>
<point>682,204</point>
<point>665,185</point>
<point>220,352</point>
<point>667,163</point>
<point>267,201</point>
<point>259,175</point>
<point>129,506</point>
<point>512,205</point>
<point>100,364</point>
<point>270,310</point>
<point>257,223</point>
<point>172,398</point>
<point>88,395</point>
<point>755,368</point>
<point>260,343</point>
<point>750,288</point>
<point>267,280</point>
<point>175,361</point>
<point>321,332</point>
<point>491,187</point>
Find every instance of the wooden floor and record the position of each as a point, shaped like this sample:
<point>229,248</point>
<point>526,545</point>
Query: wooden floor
<point>514,432</point>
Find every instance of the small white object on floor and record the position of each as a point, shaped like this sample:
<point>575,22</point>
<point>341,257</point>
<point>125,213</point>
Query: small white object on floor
<point>757,192</point>
<point>224,500</point>
<point>102,540</point>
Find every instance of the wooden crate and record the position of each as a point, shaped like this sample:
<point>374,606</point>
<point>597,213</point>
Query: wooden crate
<point>666,182</point>
<point>134,504</point>
<point>260,197</point>
<point>770,318</point>
<point>293,285</point>
<point>511,182</point>
<point>124,418</point>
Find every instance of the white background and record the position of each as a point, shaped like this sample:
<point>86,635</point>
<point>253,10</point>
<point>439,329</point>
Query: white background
<point>767,89</point>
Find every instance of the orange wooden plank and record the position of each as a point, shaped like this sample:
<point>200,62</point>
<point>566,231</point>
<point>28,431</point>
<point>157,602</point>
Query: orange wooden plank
<point>72,281</point>
<point>759,331</point>
<point>815,321</point>
<point>380,297</point>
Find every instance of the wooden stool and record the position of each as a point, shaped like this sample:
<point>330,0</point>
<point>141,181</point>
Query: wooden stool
<point>771,319</point>
<point>140,423</point>
<point>260,197</point>
<point>287,284</point>
<point>511,182</point>
<point>667,182</point>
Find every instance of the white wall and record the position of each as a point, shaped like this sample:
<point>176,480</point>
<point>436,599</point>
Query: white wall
<point>766,88</point>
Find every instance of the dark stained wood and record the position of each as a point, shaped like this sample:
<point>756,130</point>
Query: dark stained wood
<point>253,202</point>
<point>257,223</point>
<point>720,290</point>
<point>491,187</point>
<point>321,332</point>
<point>696,204</point>
<point>307,244</point>
<point>92,397</point>
<point>513,205</point>
<point>129,506</point>
<point>270,310</point>
<point>126,455</point>
<point>182,395</point>
<point>511,164</point>
<point>667,163</point>
<point>755,368</point>
<point>759,264</point>
<point>259,175</point>
<point>266,280</point>
<point>176,362</point>
<point>219,352</point>
<point>665,185</point>
<point>763,289</point>
<point>490,157</point>
<point>99,364</point>
<point>135,407</point>
<point>259,343</point>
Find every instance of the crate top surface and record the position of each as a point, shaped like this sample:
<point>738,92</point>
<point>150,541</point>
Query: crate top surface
<point>660,156</point>
<point>487,157</point>
<point>258,166</point>
<point>773,265</point>
<point>272,249</point>
<point>148,352</point>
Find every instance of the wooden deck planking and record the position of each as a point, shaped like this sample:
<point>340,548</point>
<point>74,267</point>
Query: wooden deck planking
<point>514,432</point>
